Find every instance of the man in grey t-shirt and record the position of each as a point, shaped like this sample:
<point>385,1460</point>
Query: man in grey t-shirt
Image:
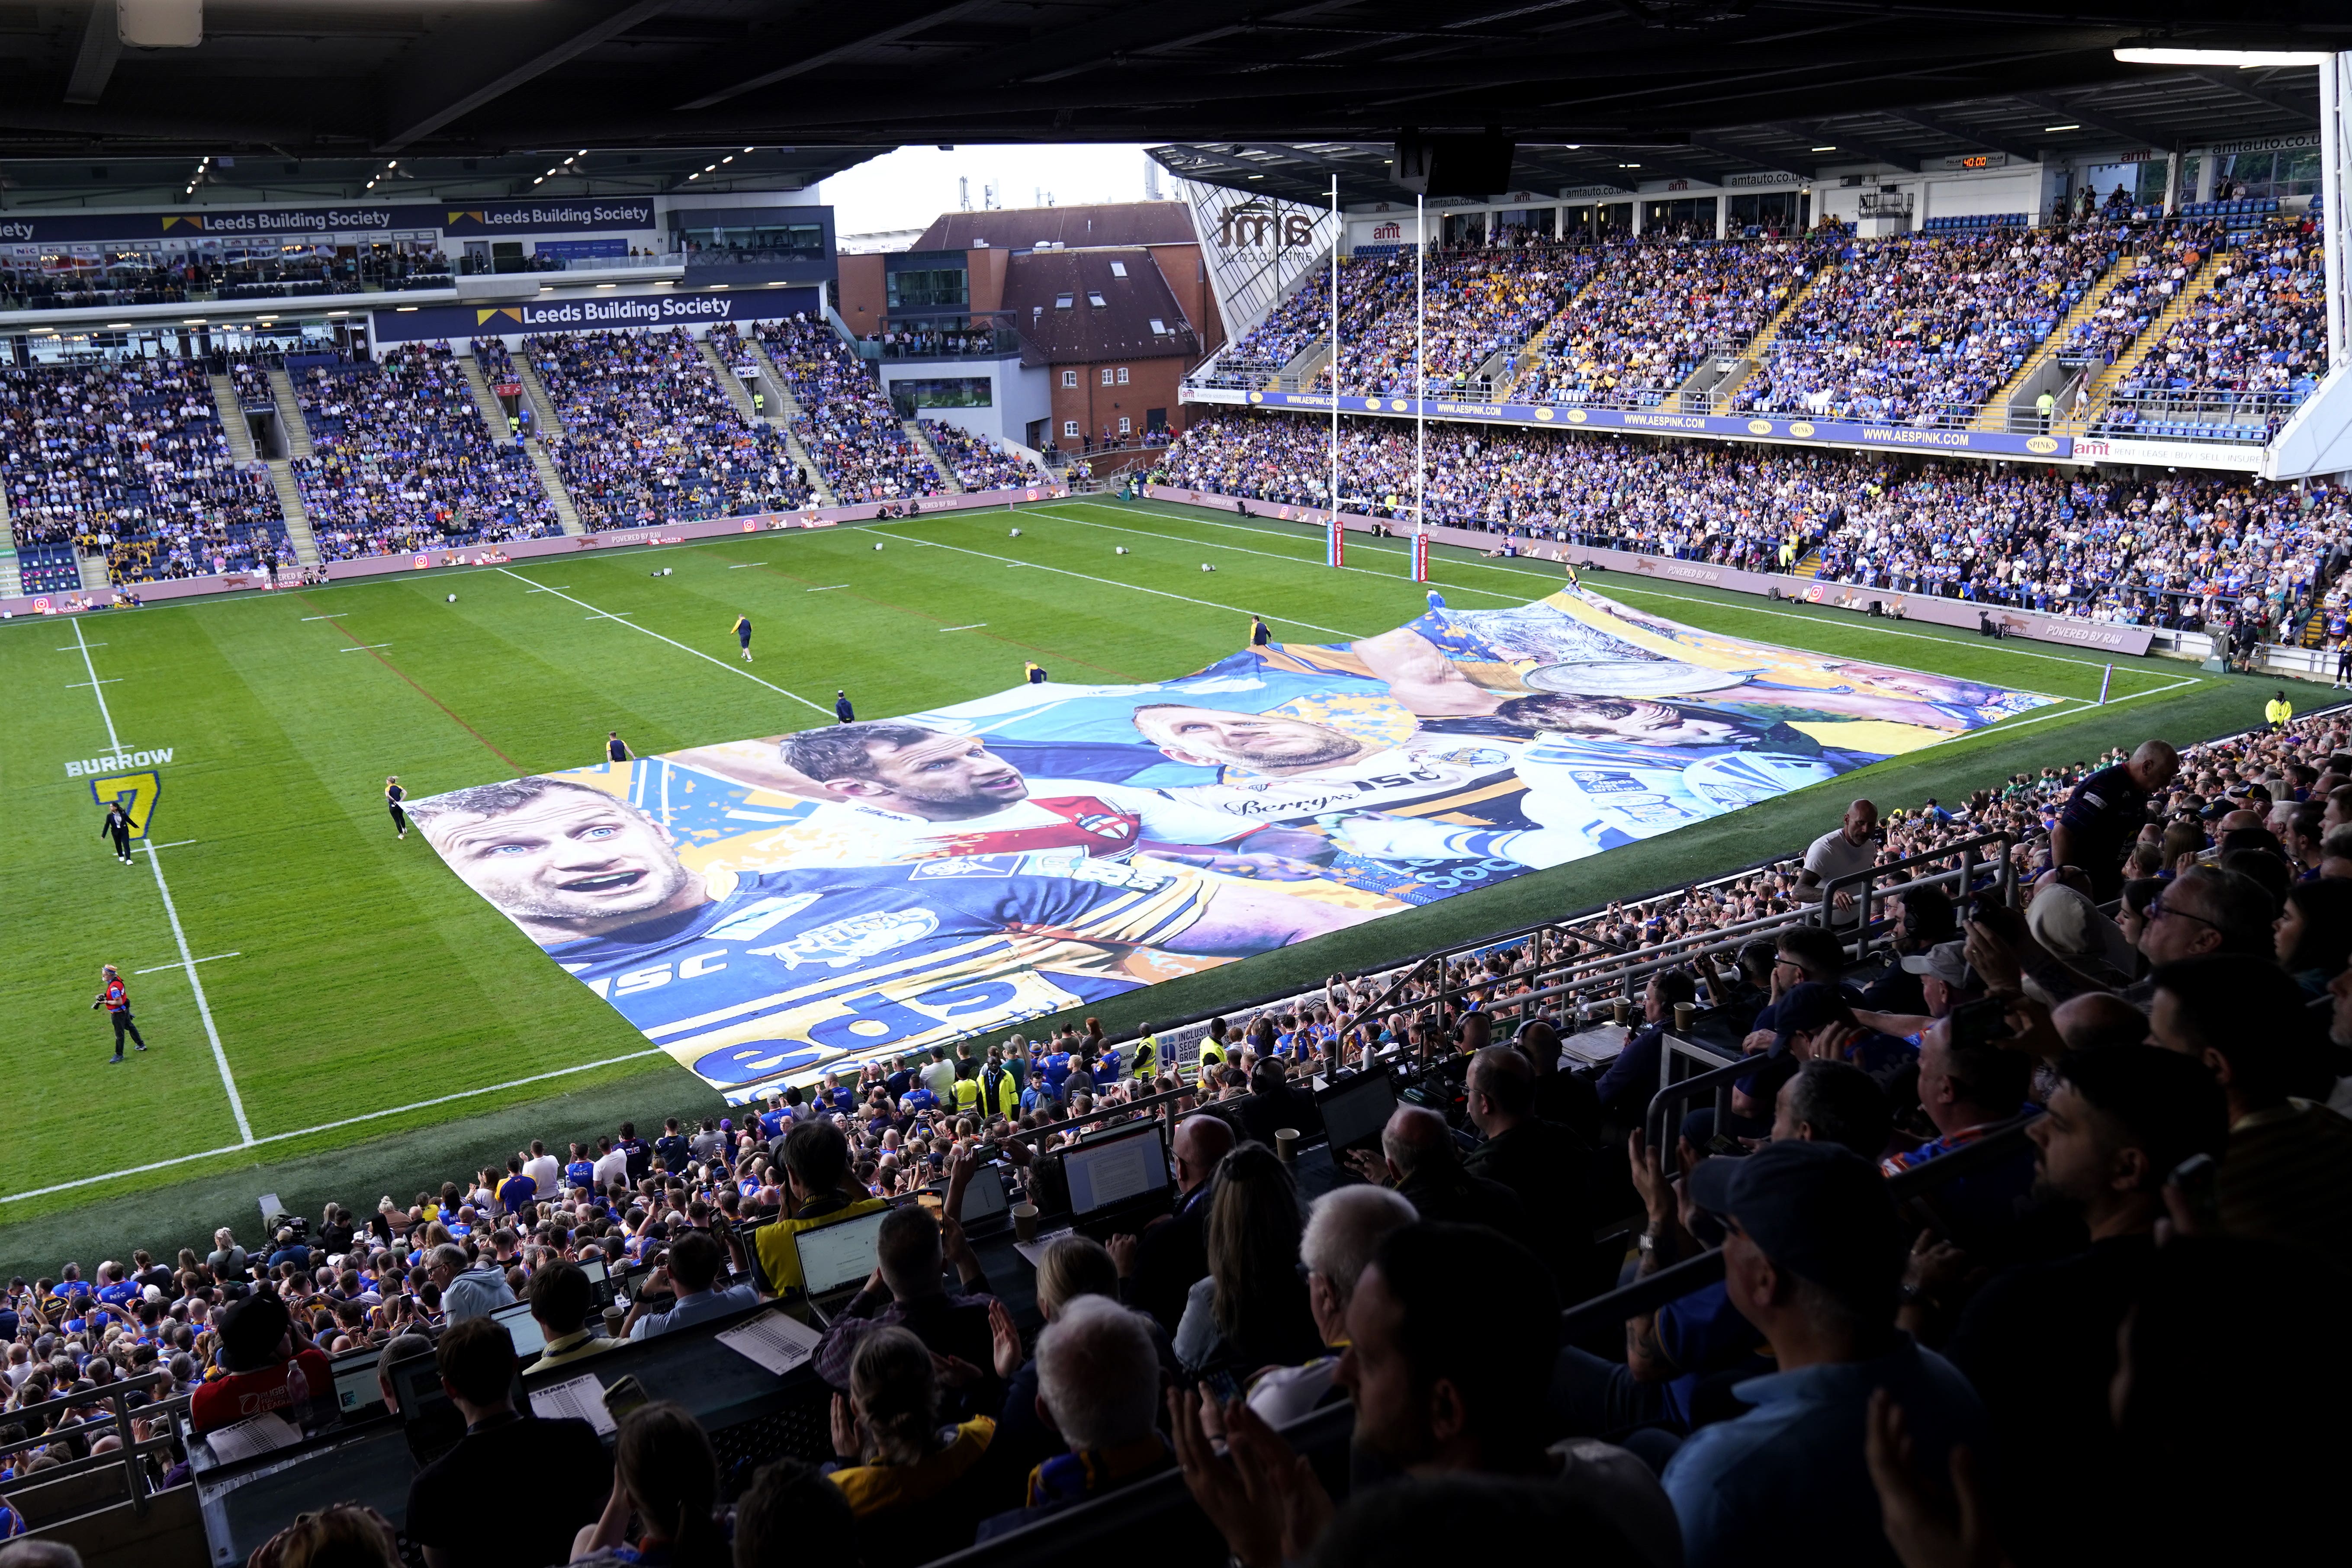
<point>1849,847</point>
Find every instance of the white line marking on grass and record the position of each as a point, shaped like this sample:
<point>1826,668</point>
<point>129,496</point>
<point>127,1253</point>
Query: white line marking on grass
<point>740,564</point>
<point>78,649</point>
<point>161,967</point>
<point>203,1008</point>
<point>324,1126</point>
<point>612,614</point>
<point>674,642</point>
<point>827,589</point>
<point>973,627</point>
<point>109,681</point>
<point>364,648</point>
<point>557,589</point>
<point>176,844</point>
<point>308,618</point>
<point>1137,588</point>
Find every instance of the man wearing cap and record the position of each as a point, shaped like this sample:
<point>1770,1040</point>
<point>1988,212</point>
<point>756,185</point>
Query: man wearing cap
<point>1942,973</point>
<point>1812,1256</point>
<point>265,1372</point>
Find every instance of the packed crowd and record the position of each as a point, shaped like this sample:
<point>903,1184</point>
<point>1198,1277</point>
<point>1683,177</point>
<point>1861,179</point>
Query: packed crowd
<point>1922,330</point>
<point>850,430</point>
<point>403,460</point>
<point>2261,326</point>
<point>1304,315</point>
<point>127,457</point>
<point>978,462</point>
<point>1476,304</point>
<point>1865,1379</point>
<point>2182,550</point>
<point>646,433</point>
<point>1656,311</point>
<point>919,342</point>
<point>2167,255</point>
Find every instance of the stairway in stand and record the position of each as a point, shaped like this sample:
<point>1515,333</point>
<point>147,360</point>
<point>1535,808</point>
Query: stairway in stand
<point>298,516</point>
<point>238,434</point>
<point>923,440</point>
<point>494,413</point>
<point>785,417</point>
<point>12,582</point>
<point>2102,385</point>
<point>1994,415</point>
<point>290,413</point>
<point>1752,356</point>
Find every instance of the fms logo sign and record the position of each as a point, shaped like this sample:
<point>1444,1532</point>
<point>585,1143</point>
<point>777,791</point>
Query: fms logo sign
<point>1247,224</point>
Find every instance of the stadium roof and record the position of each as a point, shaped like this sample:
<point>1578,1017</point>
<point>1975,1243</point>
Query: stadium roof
<point>1108,223</point>
<point>1726,83</point>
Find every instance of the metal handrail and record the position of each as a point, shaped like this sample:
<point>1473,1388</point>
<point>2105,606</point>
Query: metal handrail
<point>1964,873</point>
<point>132,1451</point>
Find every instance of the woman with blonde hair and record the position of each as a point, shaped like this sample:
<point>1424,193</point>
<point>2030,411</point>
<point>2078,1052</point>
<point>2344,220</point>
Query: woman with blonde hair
<point>916,1486</point>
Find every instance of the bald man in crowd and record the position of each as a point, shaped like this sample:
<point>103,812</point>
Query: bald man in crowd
<point>1159,1267</point>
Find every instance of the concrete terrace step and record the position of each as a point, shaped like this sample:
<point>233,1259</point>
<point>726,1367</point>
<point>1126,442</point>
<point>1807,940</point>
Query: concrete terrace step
<point>922,439</point>
<point>290,414</point>
<point>12,582</point>
<point>494,413</point>
<point>231,416</point>
<point>95,578</point>
<point>298,516</point>
<point>785,418</point>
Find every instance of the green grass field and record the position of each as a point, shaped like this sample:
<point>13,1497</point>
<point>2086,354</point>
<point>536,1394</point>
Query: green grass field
<point>381,1025</point>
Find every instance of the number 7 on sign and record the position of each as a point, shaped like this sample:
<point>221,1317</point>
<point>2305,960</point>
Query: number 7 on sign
<point>138,793</point>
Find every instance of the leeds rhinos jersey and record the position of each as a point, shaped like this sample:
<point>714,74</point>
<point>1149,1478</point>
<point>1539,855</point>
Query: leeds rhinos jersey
<point>1102,819</point>
<point>792,971</point>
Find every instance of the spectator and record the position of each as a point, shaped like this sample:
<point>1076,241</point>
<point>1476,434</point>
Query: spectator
<point>916,1486</point>
<point>1847,850</point>
<point>561,1299</point>
<point>571,1475</point>
<point>666,1477</point>
<point>910,1250</point>
<point>1343,1231</point>
<point>815,1157</point>
<point>2104,816</point>
<point>265,1370</point>
<point>1158,1270</point>
<point>345,1536</point>
<point>791,1514</point>
<point>1811,1258</point>
<point>472,1288</point>
<point>691,1272</point>
<point>1098,1379</point>
<point>2039,1340</point>
<point>1252,1308</point>
<point>1544,1164</point>
<point>1419,1158</point>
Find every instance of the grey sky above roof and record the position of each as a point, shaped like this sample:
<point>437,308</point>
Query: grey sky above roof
<point>1018,228</point>
<point>311,79</point>
<point>1113,299</point>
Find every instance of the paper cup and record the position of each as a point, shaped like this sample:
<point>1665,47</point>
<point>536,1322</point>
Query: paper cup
<point>1684,1013</point>
<point>1025,1221</point>
<point>1285,1144</point>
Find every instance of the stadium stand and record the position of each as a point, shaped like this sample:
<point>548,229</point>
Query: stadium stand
<point>849,426</point>
<point>979,464</point>
<point>2179,550</point>
<point>402,460</point>
<point>647,434</point>
<point>1836,1055</point>
<point>128,458</point>
<point>1478,305</point>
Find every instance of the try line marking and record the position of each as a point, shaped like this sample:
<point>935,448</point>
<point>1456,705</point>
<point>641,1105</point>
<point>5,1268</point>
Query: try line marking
<point>187,959</point>
<point>322,1127</point>
<point>658,637</point>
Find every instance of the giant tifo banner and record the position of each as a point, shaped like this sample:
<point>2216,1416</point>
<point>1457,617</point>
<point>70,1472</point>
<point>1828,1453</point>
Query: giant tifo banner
<point>768,908</point>
<point>1741,426</point>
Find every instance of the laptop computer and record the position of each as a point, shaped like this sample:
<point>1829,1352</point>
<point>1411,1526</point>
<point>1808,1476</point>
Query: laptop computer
<point>836,1259</point>
<point>987,1209</point>
<point>530,1341</point>
<point>1356,1109</point>
<point>358,1395</point>
<point>1118,1177</point>
<point>600,1280</point>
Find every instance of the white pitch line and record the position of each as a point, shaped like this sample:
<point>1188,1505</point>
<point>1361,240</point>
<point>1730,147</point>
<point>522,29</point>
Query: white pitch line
<point>307,619</point>
<point>155,861</point>
<point>973,627</point>
<point>109,681</point>
<point>78,649</point>
<point>612,615</point>
<point>740,564</point>
<point>827,589</point>
<point>674,642</point>
<point>323,1127</point>
<point>176,844</point>
<point>557,589</point>
<point>161,967</point>
<point>1137,588</point>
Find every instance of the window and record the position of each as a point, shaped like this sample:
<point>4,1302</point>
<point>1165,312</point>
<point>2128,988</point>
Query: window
<point>1063,301</point>
<point>1119,269</point>
<point>916,290</point>
<point>1122,375</point>
<point>1094,298</point>
<point>1106,376</point>
<point>1069,378</point>
<point>1070,429</point>
<point>1159,327</point>
<point>946,392</point>
<point>1126,426</point>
